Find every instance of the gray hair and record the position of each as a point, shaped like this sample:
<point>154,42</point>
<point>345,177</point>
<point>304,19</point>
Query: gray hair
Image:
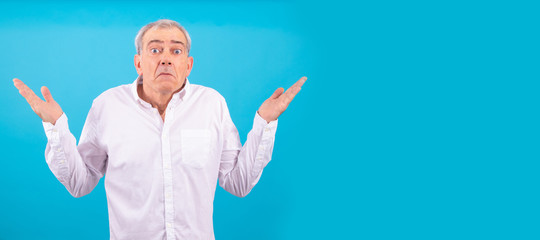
<point>162,23</point>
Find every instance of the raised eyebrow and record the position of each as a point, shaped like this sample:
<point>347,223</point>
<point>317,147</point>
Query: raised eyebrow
<point>154,41</point>
<point>178,42</point>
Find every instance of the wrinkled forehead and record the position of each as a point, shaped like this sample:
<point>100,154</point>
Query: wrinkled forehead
<point>164,34</point>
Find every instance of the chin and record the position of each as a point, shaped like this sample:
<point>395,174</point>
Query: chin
<point>167,84</point>
<point>169,87</point>
<point>165,89</point>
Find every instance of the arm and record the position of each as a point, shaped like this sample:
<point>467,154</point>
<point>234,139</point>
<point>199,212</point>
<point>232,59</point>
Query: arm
<point>241,166</point>
<point>77,168</point>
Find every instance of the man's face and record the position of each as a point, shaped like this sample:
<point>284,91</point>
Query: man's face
<point>163,62</point>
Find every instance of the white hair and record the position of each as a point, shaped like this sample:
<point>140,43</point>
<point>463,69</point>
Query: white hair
<point>162,23</point>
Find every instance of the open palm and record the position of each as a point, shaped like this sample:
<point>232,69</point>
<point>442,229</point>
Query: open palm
<point>48,110</point>
<point>279,101</point>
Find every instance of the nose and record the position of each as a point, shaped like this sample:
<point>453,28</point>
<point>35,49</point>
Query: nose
<point>165,62</point>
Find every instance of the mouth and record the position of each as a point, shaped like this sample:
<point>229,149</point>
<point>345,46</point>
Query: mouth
<point>165,74</point>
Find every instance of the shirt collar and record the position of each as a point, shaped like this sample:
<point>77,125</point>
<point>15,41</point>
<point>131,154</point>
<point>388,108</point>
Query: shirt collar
<point>176,98</point>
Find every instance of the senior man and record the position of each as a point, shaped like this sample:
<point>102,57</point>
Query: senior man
<point>161,141</point>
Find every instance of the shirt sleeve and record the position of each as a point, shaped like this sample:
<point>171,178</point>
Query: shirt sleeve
<point>78,168</point>
<point>241,166</point>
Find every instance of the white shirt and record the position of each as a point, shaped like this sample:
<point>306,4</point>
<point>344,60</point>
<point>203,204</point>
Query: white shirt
<point>160,175</point>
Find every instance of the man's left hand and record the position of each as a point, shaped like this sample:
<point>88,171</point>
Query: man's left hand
<point>279,101</point>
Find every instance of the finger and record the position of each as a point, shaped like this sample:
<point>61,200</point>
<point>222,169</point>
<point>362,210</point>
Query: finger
<point>26,92</point>
<point>300,82</point>
<point>296,86</point>
<point>277,93</point>
<point>47,94</point>
<point>18,83</point>
<point>290,94</point>
<point>294,89</point>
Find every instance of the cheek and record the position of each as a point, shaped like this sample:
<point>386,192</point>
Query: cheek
<point>149,64</point>
<point>185,63</point>
<point>181,67</point>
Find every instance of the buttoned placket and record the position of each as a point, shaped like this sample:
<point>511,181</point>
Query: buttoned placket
<point>167,169</point>
<point>166,162</point>
<point>166,158</point>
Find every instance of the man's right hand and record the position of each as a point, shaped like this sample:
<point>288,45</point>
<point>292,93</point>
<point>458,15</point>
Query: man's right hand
<point>48,110</point>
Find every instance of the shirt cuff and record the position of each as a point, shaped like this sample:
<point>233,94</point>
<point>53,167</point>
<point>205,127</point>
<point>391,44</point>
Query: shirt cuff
<point>53,131</point>
<point>260,125</point>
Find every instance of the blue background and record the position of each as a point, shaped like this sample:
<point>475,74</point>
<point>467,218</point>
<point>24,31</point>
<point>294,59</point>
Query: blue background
<point>419,119</point>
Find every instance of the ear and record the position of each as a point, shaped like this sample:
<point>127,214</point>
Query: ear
<point>189,65</point>
<point>137,62</point>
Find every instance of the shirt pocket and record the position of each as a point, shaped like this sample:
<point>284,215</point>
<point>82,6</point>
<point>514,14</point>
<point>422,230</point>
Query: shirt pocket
<point>195,147</point>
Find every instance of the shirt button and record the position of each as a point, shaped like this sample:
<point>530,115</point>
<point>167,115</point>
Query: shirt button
<point>61,161</point>
<point>54,130</point>
<point>57,150</point>
<point>267,130</point>
<point>169,225</point>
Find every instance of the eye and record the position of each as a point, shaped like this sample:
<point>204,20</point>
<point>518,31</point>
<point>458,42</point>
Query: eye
<point>154,50</point>
<point>178,51</point>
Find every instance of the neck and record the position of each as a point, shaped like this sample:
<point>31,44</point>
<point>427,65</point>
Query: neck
<point>158,100</point>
